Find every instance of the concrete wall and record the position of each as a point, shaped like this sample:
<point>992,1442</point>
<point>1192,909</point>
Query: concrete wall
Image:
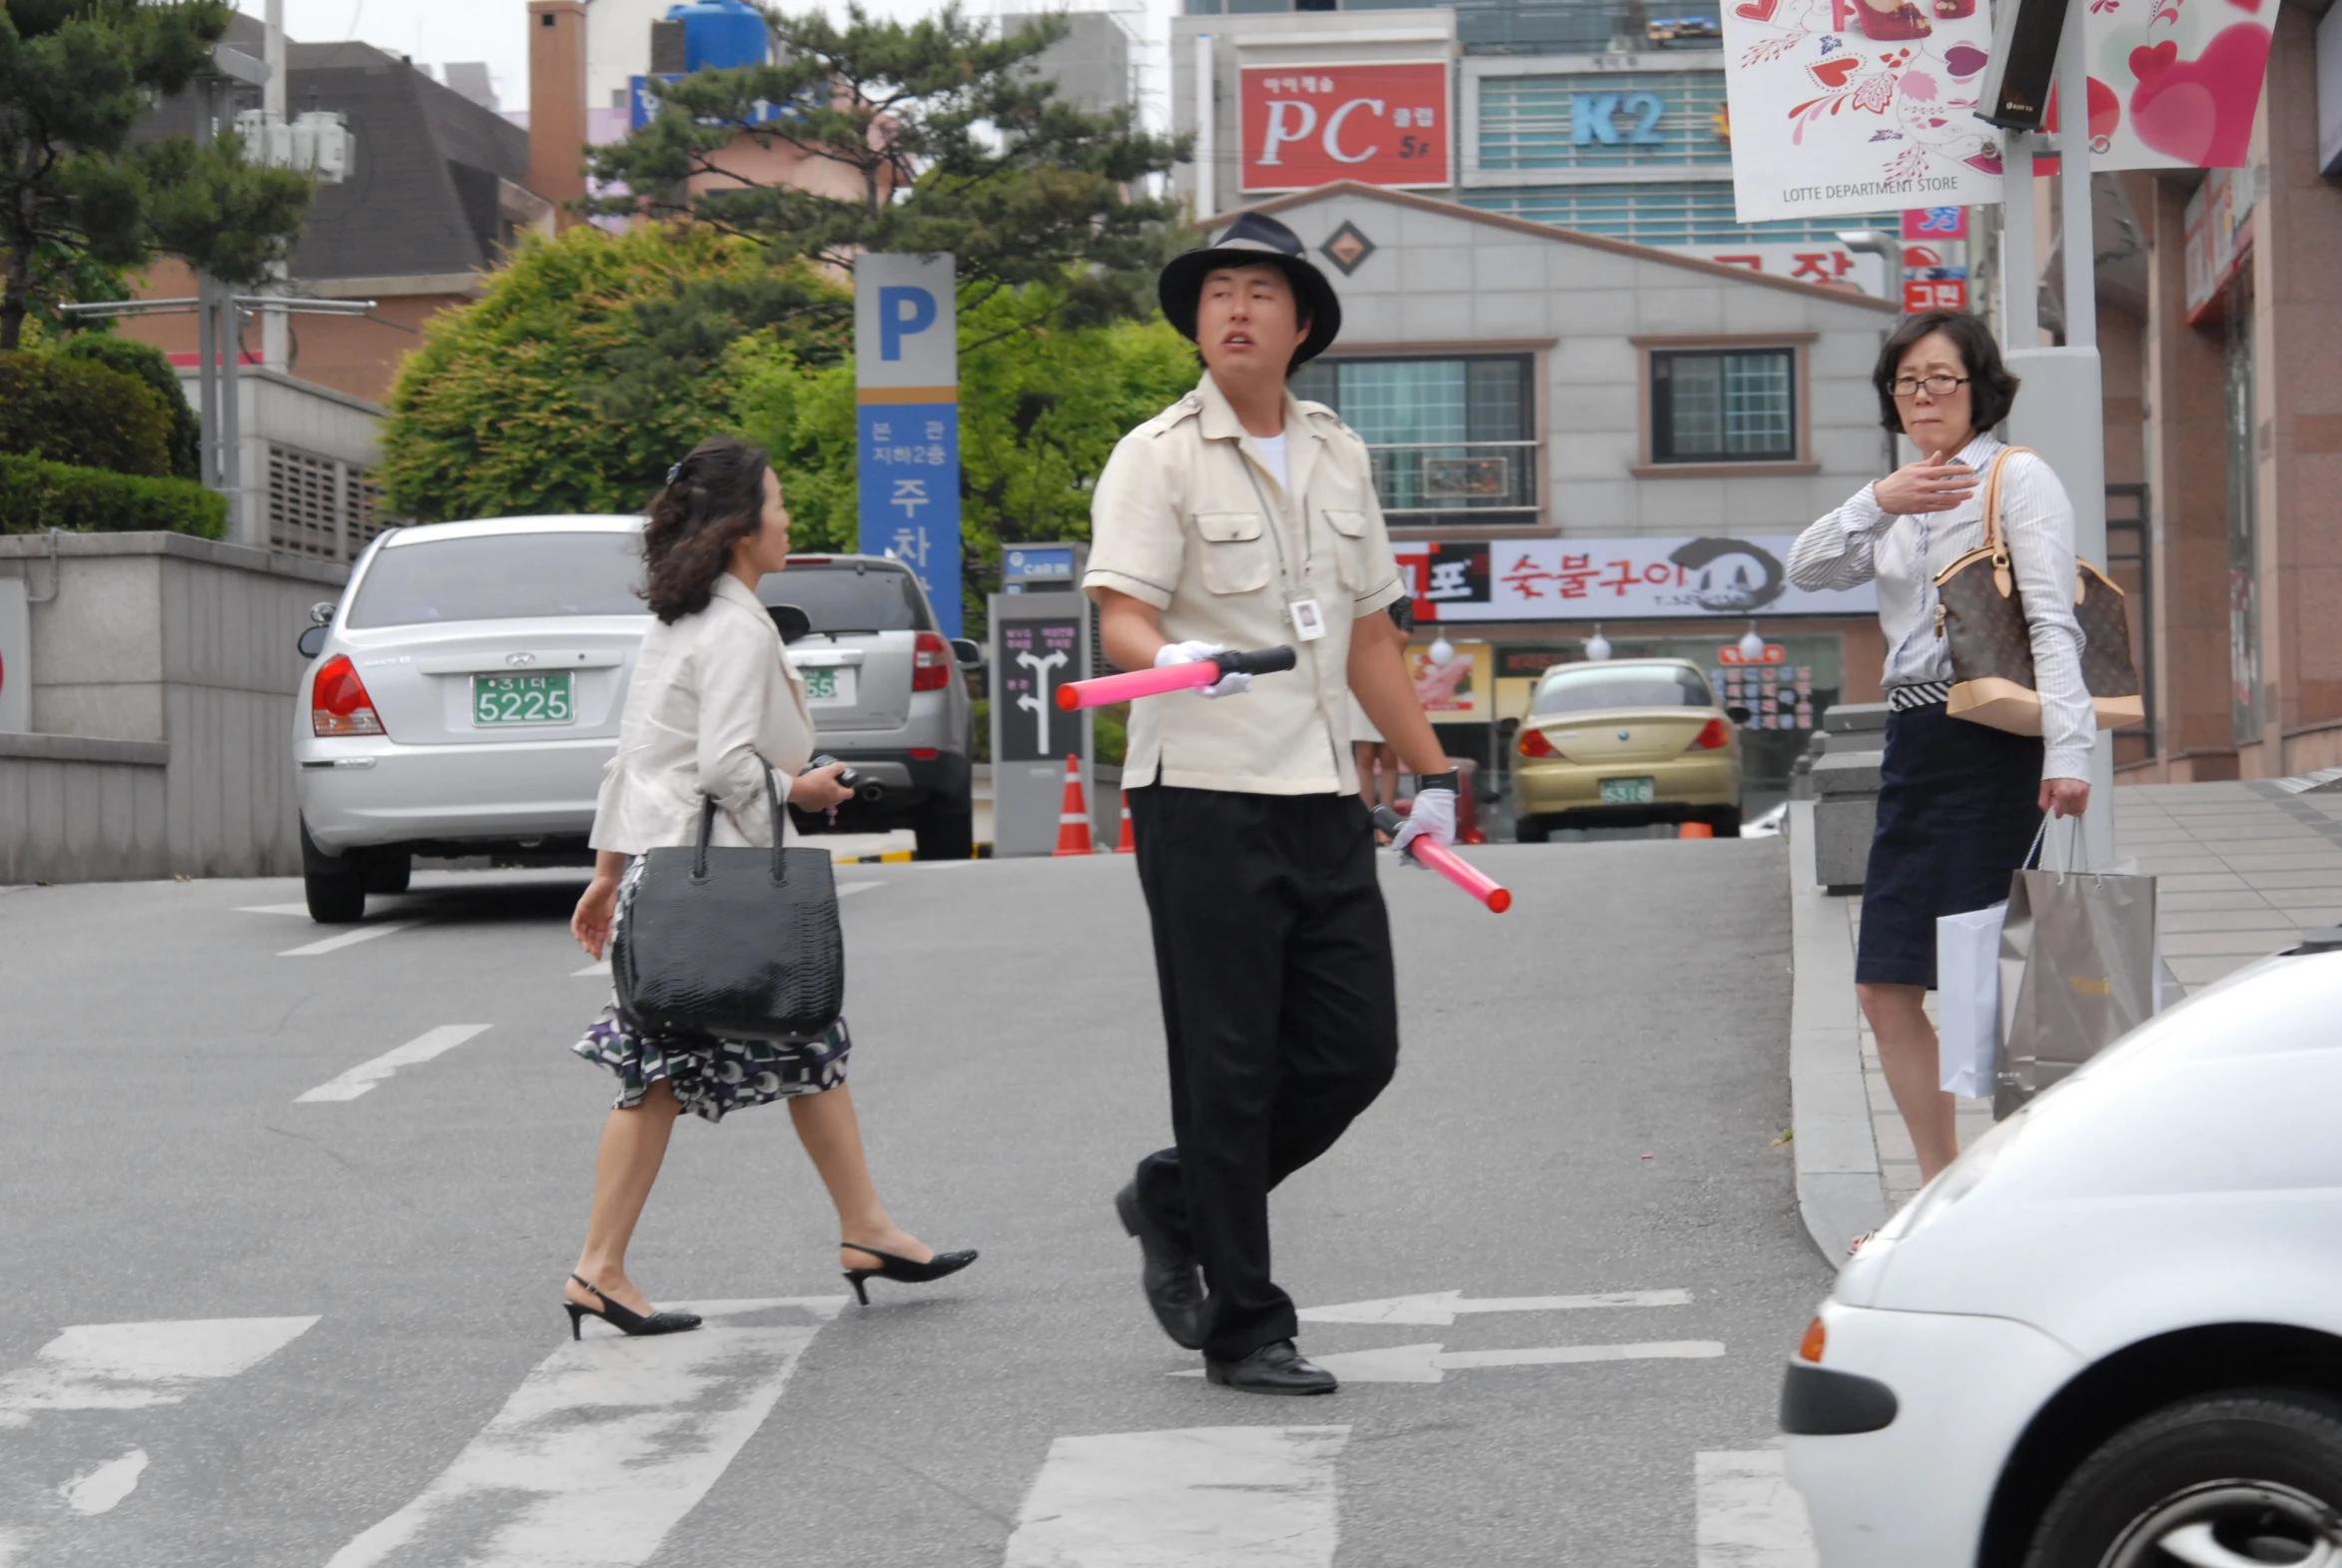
<point>1090,65</point>
<point>183,649</point>
<point>1443,277</point>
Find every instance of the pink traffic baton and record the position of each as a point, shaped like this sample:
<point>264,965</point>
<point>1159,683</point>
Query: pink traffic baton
<point>1075,695</point>
<point>1435,856</point>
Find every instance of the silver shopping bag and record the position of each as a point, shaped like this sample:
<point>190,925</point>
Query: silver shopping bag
<point>1967,999</point>
<point>2077,972</point>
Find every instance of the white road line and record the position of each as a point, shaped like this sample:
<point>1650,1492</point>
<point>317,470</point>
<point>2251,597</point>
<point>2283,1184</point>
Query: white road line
<point>271,909</point>
<point>104,1486</point>
<point>597,967</point>
<point>605,1446</point>
<point>349,939</point>
<point>132,1366</point>
<point>1202,1497</point>
<point>847,889</point>
<point>1445,1306</point>
<point>1430,1363</point>
<point>1749,1514</point>
<point>362,1079</point>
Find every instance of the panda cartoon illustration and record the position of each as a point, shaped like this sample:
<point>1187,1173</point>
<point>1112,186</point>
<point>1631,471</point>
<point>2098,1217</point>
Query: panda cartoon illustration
<point>1731,576</point>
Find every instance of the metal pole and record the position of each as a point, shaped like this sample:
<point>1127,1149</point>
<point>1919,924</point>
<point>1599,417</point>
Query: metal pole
<point>276,331</point>
<point>207,337</point>
<point>1207,129</point>
<point>230,452</point>
<point>2020,272</point>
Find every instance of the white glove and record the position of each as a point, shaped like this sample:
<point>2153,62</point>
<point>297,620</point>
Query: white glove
<point>1171,653</point>
<point>1432,817</point>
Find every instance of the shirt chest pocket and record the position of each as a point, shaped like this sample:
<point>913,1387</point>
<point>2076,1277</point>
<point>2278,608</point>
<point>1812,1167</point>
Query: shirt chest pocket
<point>1235,554</point>
<point>1350,546</point>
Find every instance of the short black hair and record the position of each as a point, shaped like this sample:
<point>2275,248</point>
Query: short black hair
<point>1991,390</point>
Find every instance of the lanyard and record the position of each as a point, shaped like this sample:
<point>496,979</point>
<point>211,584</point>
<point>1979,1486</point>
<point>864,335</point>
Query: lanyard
<point>1269,520</point>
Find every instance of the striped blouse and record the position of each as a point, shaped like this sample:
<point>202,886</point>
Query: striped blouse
<point>1862,542</point>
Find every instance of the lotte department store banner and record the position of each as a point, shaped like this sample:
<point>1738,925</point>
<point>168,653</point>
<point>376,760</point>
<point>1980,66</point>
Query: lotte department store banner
<point>1612,579</point>
<point>1849,105</point>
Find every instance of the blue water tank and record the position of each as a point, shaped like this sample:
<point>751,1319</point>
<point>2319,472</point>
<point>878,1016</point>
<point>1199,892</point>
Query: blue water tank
<point>720,34</point>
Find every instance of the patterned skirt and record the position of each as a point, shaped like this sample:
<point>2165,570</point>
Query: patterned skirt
<point>707,1075</point>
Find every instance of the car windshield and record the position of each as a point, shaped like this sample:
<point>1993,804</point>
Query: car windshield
<point>501,577</point>
<point>850,598</point>
<point>1585,687</point>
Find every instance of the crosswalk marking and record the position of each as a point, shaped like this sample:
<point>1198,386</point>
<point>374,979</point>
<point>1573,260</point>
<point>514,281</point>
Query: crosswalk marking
<point>1749,1516</point>
<point>349,939</point>
<point>600,966</point>
<point>132,1366</point>
<point>362,1079</point>
<point>1442,1307</point>
<point>104,1486</point>
<point>271,909</point>
<point>603,1447</point>
<point>1430,1363</point>
<point>1198,1497</point>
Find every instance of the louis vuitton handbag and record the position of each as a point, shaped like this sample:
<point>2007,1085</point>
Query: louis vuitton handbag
<point>734,942</point>
<point>1981,616</point>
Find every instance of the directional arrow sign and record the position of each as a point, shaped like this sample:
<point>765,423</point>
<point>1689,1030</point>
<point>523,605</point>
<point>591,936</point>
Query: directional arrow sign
<point>1445,1306</point>
<point>1430,1363</point>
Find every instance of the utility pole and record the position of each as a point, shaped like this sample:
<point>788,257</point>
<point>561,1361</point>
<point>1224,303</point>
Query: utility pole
<point>276,331</point>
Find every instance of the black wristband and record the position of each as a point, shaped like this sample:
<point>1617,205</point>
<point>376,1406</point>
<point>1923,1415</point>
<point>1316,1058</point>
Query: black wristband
<point>1447,781</point>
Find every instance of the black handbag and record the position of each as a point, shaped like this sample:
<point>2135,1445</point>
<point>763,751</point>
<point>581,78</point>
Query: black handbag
<point>738,942</point>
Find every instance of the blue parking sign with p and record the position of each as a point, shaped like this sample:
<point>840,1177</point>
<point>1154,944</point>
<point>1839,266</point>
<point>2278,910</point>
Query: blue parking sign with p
<point>907,451</point>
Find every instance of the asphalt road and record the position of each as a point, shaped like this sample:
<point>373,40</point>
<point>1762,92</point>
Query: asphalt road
<point>247,1329</point>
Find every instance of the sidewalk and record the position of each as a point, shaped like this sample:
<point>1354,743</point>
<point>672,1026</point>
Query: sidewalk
<point>2242,870</point>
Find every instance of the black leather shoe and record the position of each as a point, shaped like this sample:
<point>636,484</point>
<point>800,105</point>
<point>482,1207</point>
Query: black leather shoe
<point>1170,1277</point>
<point>1273,1370</point>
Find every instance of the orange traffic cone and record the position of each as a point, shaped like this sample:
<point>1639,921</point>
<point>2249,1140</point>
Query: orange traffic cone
<point>1695,830</point>
<point>1073,815</point>
<point>1128,845</point>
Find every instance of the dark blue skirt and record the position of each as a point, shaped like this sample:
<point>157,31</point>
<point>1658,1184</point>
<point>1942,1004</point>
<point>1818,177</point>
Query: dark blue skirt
<point>1958,804</point>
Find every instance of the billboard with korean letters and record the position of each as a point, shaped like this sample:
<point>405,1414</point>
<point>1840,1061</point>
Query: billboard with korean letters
<point>1674,578</point>
<point>1380,124</point>
<point>1851,106</point>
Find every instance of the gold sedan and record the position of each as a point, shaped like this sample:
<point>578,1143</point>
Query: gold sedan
<point>1626,742</point>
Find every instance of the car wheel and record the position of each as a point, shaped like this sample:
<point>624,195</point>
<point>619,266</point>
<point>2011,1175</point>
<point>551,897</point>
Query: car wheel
<point>945,827</point>
<point>1531,830</point>
<point>387,869</point>
<point>335,885</point>
<point>2226,1480</point>
<point>1724,820</point>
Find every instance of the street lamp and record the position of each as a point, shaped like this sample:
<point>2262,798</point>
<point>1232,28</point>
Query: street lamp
<point>1878,243</point>
<point>1441,649</point>
<point>1752,646</point>
<point>1597,646</point>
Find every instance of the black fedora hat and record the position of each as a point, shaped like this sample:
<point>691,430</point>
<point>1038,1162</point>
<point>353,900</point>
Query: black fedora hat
<point>1253,239</point>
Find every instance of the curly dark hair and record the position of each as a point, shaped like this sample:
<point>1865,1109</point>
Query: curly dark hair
<point>1991,390</point>
<point>712,498</point>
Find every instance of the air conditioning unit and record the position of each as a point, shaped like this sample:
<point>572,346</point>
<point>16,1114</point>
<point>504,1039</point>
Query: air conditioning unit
<point>317,143</point>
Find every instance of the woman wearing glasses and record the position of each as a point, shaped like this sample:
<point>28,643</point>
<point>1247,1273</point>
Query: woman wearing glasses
<point>1959,803</point>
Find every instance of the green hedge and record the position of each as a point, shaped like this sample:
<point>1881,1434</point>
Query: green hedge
<point>37,495</point>
<point>74,410</point>
<point>151,366</point>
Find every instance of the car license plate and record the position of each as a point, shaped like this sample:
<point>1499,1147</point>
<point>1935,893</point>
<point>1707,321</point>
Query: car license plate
<point>828,685</point>
<point>1628,792</point>
<point>521,699</point>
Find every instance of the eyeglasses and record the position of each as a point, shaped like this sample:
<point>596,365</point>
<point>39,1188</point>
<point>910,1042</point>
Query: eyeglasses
<point>1937,385</point>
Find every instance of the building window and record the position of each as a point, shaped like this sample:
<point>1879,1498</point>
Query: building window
<point>1692,213</point>
<point>1723,405</point>
<point>1453,440</point>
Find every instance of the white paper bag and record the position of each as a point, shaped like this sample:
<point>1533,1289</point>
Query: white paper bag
<point>1968,999</point>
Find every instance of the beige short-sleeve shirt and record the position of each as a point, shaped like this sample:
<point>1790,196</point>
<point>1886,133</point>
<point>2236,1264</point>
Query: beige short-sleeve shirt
<point>1188,518</point>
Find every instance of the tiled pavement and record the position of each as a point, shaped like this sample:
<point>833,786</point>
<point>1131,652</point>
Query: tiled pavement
<point>2242,870</point>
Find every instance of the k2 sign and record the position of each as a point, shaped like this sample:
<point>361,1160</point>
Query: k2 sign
<point>1381,124</point>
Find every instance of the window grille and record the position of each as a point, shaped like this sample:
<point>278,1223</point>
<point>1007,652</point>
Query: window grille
<point>321,507</point>
<point>1713,407</point>
<point>1536,122</point>
<point>1691,213</point>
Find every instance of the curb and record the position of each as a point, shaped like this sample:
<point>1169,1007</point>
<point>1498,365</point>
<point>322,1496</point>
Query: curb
<point>1840,1192</point>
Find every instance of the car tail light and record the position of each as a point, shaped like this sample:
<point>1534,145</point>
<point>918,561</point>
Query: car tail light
<point>1712,735</point>
<point>1817,1338</point>
<point>1534,744</point>
<point>338,703</point>
<point>931,663</point>
<point>925,753</point>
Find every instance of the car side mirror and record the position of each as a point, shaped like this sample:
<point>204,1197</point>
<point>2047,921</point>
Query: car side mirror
<point>790,621</point>
<point>313,641</point>
<point>1738,714</point>
<point>968,652</point>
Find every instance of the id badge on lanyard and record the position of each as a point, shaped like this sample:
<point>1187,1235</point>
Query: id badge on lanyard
<point>1307,615</point>
<point>1307,618</point>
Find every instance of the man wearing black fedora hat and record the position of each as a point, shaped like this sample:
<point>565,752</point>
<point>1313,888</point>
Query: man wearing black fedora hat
<point>1241,517</point>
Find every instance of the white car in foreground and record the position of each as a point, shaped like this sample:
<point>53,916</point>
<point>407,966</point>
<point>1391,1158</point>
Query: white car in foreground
<point>2111,1334</point>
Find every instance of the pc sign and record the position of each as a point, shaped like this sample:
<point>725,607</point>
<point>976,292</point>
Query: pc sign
<point>907,388</point>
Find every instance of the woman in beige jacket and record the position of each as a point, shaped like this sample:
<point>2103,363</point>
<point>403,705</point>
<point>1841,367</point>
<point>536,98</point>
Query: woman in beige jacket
<point>713,707</point>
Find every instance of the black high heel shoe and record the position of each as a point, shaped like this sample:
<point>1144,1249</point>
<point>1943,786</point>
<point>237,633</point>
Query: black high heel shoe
<point>624,1319</point>
<point>901,1269</point>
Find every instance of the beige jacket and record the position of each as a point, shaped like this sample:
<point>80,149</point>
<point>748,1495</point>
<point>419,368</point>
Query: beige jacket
<point>1187,518</point>
<point>712,706</point>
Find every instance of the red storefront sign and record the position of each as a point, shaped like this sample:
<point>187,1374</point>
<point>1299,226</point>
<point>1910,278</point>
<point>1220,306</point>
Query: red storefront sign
<point>1310,125</point>
<point>1934,293</point>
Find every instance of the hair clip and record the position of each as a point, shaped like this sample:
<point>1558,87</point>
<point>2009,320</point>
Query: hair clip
<point>674,472</point>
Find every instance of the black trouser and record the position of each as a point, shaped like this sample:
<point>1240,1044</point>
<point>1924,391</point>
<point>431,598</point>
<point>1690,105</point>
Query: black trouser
<point>1273,954</point>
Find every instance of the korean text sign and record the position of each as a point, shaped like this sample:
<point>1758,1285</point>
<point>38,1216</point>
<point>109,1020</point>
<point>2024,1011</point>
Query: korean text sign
<point>907,451</point>
<point>1613,579</point>
<point>1380,124</point>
